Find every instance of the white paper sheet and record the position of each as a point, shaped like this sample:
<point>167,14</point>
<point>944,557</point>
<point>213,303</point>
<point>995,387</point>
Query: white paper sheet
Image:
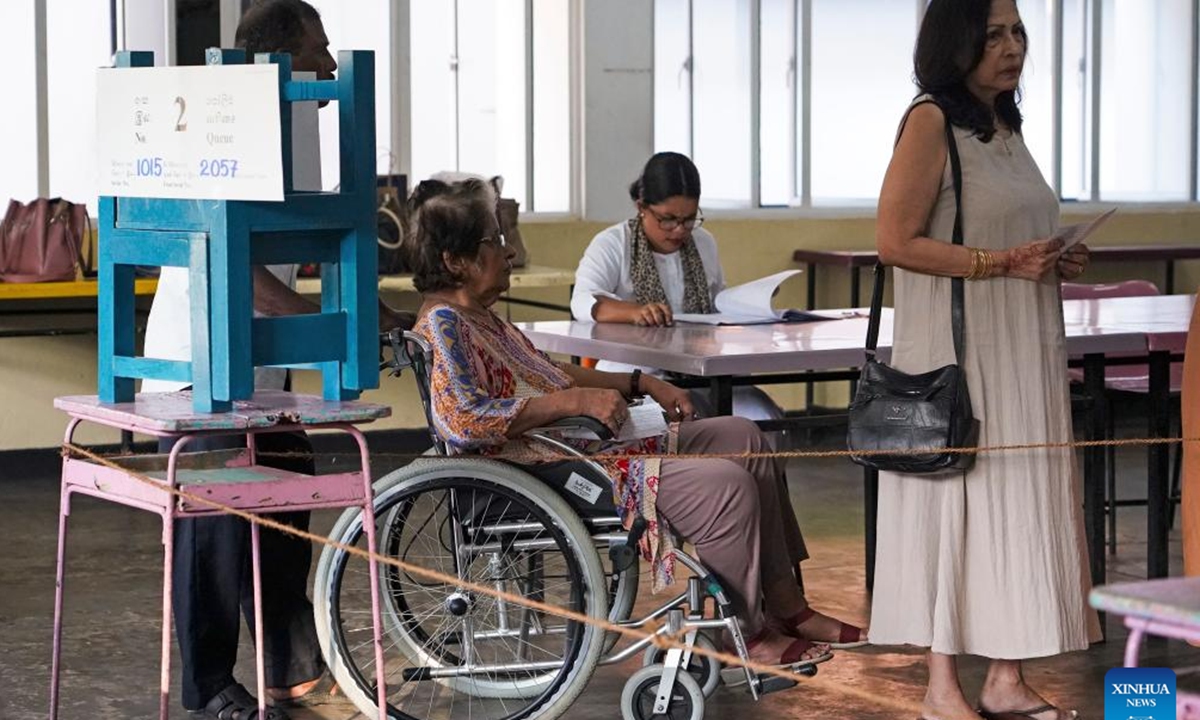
<point>1077,233</point>
<point>750,304</point>
<point>646,420</point>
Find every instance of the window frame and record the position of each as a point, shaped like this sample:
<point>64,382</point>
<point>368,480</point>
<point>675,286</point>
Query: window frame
<point>802,204</point>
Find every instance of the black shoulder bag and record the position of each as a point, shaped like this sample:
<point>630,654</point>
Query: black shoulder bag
<point>896,412</point>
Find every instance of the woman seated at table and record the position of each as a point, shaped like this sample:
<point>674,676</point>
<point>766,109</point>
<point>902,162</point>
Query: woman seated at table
<point>660,262</point>
<point>488,386</point>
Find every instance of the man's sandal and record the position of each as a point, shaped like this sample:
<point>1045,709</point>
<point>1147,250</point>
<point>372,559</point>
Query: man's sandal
<point>1030,713</point>
<point>236,703</point>
<point>849,636</point>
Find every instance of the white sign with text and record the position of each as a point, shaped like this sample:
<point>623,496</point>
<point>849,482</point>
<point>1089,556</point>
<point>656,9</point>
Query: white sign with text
<point>207,132</point>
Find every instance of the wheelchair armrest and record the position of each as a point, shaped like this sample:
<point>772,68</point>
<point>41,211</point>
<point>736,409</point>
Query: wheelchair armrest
<point>584,422</point>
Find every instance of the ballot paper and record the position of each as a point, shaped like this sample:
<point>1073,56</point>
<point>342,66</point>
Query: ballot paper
<point>750,304</point>
<point>646,419</point>
<point>1077,233</point>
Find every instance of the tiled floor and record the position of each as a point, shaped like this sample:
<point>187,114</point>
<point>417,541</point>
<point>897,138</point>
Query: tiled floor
<point>111,650</point>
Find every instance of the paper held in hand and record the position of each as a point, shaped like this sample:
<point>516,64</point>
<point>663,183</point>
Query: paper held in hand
<point>646,420</point>
<point>1074,234</point>
<point>750,304</point>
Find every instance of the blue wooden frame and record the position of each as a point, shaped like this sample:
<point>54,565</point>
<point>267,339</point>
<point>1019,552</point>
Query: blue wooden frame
<point>220,241</point>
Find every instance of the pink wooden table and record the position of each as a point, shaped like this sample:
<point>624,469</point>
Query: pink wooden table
<point>231,478</point>
<point>1168,608</point>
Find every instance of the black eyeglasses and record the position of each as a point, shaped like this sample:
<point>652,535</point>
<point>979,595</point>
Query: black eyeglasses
<point>668,223</point>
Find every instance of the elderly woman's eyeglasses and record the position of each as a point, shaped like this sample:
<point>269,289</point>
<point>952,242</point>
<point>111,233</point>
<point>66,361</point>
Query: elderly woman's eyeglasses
<point>668,222</point>
<point>498,240</point>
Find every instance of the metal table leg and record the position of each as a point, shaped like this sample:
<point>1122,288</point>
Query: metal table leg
<point>721,389</point>
<point>1094,467</point>
<point>1159,466</point>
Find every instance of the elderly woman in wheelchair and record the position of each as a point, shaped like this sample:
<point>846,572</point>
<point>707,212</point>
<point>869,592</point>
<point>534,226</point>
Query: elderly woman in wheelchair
<point>529,521</point>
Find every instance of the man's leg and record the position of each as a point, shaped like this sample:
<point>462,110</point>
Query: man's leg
<point>210,560</point>
<point>290,646</point>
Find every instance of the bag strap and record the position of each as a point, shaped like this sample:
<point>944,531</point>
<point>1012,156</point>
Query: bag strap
<point>957,314</point>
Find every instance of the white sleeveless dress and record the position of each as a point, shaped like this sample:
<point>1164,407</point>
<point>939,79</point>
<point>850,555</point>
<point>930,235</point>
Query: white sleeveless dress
<point>992,562</point>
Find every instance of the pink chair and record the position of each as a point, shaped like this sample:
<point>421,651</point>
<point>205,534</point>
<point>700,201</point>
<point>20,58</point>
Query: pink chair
<point>1124,379</point>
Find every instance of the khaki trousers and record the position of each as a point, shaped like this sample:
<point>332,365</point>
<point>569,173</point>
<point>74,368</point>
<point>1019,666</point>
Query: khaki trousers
<point>737,514</point>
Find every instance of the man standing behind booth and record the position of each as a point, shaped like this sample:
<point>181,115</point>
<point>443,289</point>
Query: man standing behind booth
<point>212,583</point>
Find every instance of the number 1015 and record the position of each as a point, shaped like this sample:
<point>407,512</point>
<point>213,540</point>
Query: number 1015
<point>149,167</point>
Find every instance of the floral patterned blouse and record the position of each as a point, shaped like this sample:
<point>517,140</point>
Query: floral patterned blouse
<point>483,374</point>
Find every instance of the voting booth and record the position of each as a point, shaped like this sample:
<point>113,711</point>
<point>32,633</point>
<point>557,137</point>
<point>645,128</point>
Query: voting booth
<point>196,171</point>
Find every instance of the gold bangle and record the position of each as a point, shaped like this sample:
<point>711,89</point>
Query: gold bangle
<point>978,264</point>
<point>974,264</point>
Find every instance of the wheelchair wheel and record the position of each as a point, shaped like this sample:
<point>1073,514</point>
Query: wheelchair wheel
<point>622,592</point>
<point>449,652</point>
<point>641,690</point>
<point>703,668</point>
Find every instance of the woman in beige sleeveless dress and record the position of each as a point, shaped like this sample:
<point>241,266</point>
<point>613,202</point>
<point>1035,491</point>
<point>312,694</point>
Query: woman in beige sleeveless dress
<point>990,562</point>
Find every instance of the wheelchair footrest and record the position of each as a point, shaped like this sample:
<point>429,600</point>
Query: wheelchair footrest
<point>736,677</point>
<point>774,683</point>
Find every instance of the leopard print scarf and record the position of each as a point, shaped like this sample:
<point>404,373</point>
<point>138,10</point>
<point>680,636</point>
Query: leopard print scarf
<point>643,273</point>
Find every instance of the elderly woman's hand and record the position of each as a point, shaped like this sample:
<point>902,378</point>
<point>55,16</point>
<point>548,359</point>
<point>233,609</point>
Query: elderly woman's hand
<point>676,402</point>
<point>1033,260</point>
<point>606,405</point>
<point>1073,262</point>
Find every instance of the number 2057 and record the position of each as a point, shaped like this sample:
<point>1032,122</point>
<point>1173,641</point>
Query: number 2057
<point>218,168</point>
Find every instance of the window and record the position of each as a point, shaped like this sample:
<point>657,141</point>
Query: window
<point>778,118</point>
<point>1037,84</point>
<point>861,84</point>
<point>1146,98</point>
<point>721,99</point>
<point>18,130</point>
<point>829,80</point>
<point>361,26</point>
<point>491,94</point>
<point>78,42</point>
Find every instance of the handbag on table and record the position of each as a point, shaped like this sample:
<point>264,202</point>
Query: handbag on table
<point>896,412</point>
<point>42,241</point>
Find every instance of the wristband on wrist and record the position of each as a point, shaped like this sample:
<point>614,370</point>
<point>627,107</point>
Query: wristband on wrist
<point>635,384</point>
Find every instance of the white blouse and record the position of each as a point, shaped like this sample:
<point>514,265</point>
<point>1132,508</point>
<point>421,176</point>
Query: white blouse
<point>604,271</point>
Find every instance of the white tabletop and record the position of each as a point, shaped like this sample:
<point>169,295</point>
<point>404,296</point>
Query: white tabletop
<point>708,351</point>
<point>1112,325</point>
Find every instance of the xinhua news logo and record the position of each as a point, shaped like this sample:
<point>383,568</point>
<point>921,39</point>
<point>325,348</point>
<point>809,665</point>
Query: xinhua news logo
<point>1139,694</point>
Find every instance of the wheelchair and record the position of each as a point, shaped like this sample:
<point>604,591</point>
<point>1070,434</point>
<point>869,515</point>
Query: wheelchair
<point>550,534</point>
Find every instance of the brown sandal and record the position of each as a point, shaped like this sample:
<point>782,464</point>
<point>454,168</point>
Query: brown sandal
<point>849,636</point>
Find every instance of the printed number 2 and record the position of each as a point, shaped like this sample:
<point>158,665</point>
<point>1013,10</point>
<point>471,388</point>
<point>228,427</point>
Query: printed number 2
<point>180,123</point>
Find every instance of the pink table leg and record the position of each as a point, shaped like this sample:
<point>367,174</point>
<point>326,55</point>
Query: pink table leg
<point>369,527</point>
<point>259,674</point>
<point>1134,643</point>
<point>64,511</point>
<point>168,541</point>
